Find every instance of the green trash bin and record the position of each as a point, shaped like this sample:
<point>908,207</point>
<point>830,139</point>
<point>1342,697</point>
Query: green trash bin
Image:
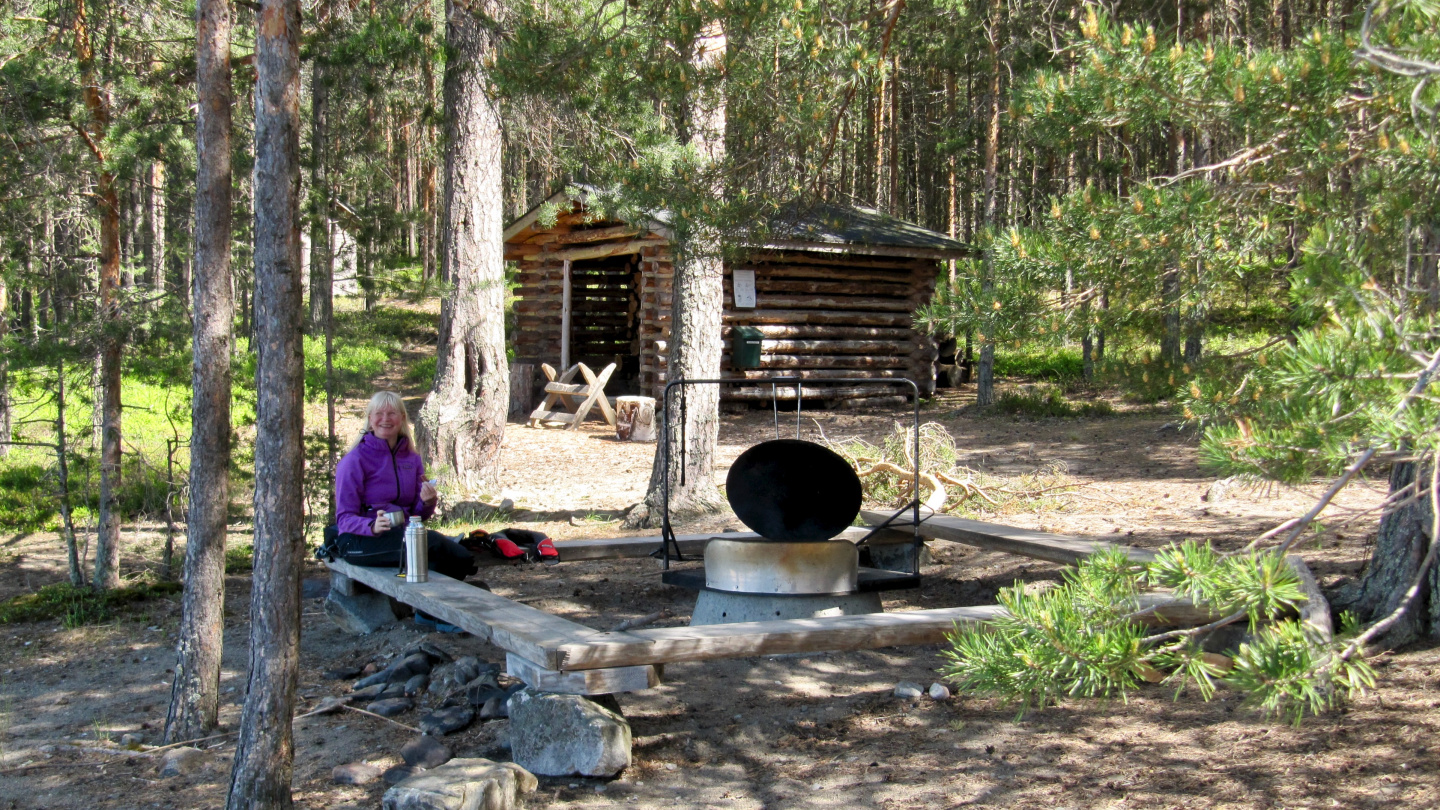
<point>745,347</point>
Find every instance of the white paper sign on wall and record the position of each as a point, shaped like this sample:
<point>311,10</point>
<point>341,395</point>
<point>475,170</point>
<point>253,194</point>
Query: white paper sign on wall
<point>744,289</point>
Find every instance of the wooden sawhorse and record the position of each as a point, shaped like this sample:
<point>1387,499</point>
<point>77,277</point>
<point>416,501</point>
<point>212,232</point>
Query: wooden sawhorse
<point>566,392</point>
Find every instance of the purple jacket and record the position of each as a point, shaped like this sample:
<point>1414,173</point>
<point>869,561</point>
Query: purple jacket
<point>372,479</point>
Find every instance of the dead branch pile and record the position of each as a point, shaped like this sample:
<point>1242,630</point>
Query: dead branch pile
<point>886,474</point>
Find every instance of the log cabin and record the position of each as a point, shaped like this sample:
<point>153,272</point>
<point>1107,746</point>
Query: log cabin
<point>828,291</point>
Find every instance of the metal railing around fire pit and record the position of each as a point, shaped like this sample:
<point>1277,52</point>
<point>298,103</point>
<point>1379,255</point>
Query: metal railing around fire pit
<point>667,533</point>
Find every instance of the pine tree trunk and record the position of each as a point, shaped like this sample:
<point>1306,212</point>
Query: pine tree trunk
<point>4,371</point>
<point>1400,546</point>
<point>1170,302</point>
<point>265,751</point>
<point>195,691</point>
<point>462,422</point>
<point>62,481</point>
<point>696,307</point>
<point>107,201</point>
<point>322,269</point>
<point>157,216</point>
<point>985,368</point>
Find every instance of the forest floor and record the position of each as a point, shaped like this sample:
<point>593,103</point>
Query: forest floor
<point>811,731</point>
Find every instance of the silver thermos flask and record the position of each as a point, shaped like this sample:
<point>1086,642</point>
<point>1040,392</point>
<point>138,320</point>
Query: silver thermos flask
<point>417,551</point>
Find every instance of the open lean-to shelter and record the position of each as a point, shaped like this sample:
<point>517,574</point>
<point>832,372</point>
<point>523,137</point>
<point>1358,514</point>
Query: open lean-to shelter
<point>827,294</point>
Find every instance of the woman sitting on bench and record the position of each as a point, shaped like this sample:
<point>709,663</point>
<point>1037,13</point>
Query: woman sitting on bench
<point>380,475</point>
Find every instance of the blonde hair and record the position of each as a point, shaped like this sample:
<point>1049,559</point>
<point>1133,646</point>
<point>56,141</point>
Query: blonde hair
<point>380,400</point>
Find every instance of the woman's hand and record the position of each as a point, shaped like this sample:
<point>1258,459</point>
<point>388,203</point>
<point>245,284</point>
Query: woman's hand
<point>428,492</point>
<point>382,523</point>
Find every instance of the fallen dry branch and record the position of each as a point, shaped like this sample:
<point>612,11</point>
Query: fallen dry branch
<point>386,719</point>
<point>631,624</point>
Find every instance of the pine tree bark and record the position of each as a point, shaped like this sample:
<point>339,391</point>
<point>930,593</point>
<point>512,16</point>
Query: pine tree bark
<point>322,268</point>
<point>195,691</point>
<point>155,197</point>
<point>696,306</point>
<point>985,367</point>
<point>62,482</point>
<point>107,201</point>
<point>265,751</point>
<point>462,423</point>
<point>1399,548</point>
<point>4,371</point>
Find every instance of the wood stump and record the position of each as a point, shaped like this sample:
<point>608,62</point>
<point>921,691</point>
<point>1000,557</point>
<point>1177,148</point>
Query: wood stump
<point>635,419</point>
<point>522,389</point>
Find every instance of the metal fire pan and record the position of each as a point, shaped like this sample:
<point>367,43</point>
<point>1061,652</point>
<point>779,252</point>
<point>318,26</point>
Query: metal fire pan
<point>793,490</point>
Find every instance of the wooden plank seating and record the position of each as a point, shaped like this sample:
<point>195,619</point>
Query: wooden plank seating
<point>556,654</point>
<point>1056,548</point>
<point>576,397</point>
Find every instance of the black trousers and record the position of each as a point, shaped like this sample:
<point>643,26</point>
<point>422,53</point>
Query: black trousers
<point>385,550</point>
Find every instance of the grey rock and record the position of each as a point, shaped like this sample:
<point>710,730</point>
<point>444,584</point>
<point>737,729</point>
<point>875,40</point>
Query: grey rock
<point>463,784</point>
<point>560,735</point>
<point>354,773</point>
<point>412,664</point>
<point>392,690</point>
<point>390,706</point>
<point>132,740</point>
<point>398,672</point>
<point>939,691</point>
<point>482,689</point>
<point>400,773</point>
<point>181,761</point>
<point>425,752</point>
<point>416,684</point>
<point>907,689</point>
<point>454,675</point>
<point>370,692</point>
<point>445,721</point>
<point>444,678</point>
<point>363,614</point>
<point>429,650</point>
<point>468,668</point>
<point>373,679</point>
<point>341,673</point>
<point>496,707</point>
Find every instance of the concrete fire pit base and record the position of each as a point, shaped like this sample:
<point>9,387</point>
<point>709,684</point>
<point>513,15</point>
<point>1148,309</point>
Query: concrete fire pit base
<point>720,607</point>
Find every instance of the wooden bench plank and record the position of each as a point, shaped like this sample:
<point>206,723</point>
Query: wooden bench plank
<point>745,639</point>
<point>828,634</point>
<point>605,681</point>
<point>1056,548</point>
<point>528,632</point>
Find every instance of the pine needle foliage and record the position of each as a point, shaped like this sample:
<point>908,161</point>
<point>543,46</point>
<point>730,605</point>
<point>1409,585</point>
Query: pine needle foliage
<point>1086,638</point>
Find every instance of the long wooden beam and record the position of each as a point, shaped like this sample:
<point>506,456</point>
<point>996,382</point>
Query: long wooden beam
<point>1056,548</point>
<point>528,632</point>
<point>746,639</point>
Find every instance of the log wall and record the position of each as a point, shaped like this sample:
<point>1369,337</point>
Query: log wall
<point>823,315</point>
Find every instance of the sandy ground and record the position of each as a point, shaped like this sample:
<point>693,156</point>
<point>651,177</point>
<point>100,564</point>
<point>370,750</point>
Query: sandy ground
<point>813,731</point>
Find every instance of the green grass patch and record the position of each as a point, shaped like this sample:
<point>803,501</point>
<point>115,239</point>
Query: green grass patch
<point>1040,401</point>
<point>239,559</point>
<point>78,606</point>
<point>1058,364</point>
<point>422,374</point>
<point>26,502</point>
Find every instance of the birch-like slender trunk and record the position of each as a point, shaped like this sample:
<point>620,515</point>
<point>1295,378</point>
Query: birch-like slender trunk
<point>195,691</point>
<point>264,755</point>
